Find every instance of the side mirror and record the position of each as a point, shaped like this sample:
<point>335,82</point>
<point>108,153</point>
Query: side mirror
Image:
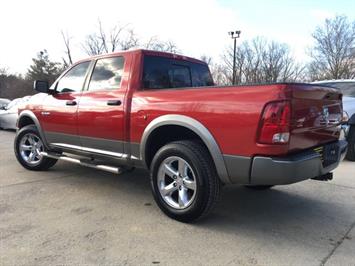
<point>41,86</point>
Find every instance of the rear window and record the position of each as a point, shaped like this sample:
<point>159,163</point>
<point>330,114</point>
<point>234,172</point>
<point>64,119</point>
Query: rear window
<point>165,73</point>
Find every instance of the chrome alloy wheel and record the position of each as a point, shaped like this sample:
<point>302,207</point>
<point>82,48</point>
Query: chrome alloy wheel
<point>176,182</point>
<point>30,148</point>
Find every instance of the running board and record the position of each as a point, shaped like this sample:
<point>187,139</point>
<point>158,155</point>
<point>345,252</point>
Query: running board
<point>111,169</point>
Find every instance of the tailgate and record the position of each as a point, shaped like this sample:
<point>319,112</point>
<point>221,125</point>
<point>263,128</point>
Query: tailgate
<point>316,116</point>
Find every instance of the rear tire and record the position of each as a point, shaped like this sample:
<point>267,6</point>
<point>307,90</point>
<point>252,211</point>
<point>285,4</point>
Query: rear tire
<point>184,180</point>
<point>351,144</point>
<point>28,145</point>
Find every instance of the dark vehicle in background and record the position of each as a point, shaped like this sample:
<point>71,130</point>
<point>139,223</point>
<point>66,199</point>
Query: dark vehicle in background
<point>347,87</point>
<point>9,113</point>
<point>3,103</point>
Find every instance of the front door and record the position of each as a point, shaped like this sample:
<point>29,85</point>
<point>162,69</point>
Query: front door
<point>59,115</point>
<point>101,108</point>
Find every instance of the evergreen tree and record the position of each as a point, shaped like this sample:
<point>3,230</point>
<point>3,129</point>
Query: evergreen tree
<point>43,68</point>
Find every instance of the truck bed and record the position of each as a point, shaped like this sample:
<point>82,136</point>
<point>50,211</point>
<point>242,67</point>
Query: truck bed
<point>232,114</point>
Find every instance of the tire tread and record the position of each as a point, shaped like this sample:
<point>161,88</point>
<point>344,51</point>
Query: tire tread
<point>207,162</point>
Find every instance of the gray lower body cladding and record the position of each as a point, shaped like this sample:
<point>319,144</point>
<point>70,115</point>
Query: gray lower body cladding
<point>260,170</point>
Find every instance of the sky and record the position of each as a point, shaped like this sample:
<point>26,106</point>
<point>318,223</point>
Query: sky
<point>198,27</point>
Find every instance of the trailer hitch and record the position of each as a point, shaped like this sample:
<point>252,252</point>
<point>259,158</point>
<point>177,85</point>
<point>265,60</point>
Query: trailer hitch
<point>325,177</point>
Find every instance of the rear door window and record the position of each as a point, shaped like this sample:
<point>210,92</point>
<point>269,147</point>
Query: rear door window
<point>107,74</point>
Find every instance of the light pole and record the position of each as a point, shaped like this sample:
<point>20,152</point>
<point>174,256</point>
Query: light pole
<point>234,35</point>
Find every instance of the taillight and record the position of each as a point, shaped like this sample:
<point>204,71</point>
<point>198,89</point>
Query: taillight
<point>275,123</point>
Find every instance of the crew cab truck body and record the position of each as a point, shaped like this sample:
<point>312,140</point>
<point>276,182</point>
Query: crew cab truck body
<point>161,112</point>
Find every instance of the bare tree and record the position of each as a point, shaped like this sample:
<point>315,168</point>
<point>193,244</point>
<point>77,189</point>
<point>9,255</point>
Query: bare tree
<point>102,37</point>
<point>278,64</point>
<point>93,45</point>
<point>171,47</point>
<point>154,43</point>
<point>67,62</point>
<point>121,38</point>
<point>105,42</point>
<point>115,37</point>
<point>260,60</point>
<point>130,40</point>
<point>220,74</point>
<point>334,51</point>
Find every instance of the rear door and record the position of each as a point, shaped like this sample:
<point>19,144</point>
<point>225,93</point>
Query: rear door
<point>58,117</point>
<point>101,107</point>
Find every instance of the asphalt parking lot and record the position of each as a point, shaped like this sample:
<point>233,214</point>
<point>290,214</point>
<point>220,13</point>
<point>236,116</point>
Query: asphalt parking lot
<point>74,216</point>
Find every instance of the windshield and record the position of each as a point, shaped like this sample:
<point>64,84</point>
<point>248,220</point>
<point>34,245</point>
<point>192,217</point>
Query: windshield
<point>347,88</point>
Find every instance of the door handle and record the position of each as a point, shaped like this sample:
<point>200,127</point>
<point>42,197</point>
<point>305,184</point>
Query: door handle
<point>114,102</point>
<point>71,103</point>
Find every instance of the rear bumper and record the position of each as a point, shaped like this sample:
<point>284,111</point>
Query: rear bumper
<point>289,169</point>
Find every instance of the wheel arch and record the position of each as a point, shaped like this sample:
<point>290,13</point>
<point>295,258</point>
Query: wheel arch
<point>196,128</point>
<point>26,118</point>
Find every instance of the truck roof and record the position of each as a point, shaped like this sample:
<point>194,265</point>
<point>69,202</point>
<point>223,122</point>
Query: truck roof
<point>145,52</point>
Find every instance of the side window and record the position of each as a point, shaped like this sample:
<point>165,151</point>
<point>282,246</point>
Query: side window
<point>73,80</point>
<point>155,73</point>
<point>163,73</point>
<point>107,74</point>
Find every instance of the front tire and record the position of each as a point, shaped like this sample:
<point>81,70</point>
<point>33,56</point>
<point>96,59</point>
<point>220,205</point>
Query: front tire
<point>351,144</point>
<point>28,147</point>
<point>184,180</point>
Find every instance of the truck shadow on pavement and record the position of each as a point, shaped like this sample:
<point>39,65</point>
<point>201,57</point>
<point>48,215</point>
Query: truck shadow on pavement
<point>278,209</point>
<point>305,208</point>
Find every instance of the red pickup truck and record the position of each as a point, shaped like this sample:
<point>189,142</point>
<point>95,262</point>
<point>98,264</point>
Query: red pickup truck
<point>162,112</point>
